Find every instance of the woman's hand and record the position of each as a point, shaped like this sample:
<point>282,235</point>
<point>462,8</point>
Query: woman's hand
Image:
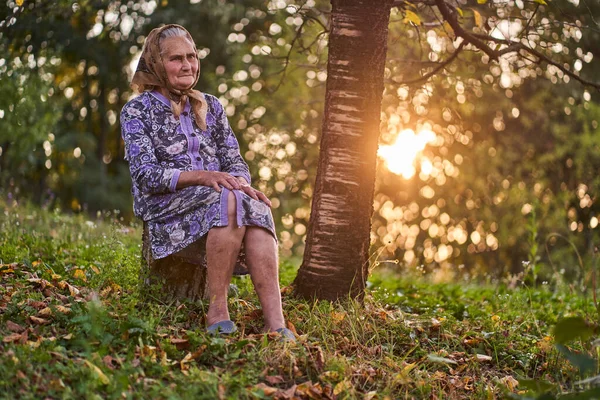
<point>217,179</point>
<point>250,191</point>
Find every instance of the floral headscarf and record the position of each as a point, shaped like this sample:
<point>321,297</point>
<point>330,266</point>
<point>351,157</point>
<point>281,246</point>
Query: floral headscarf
<point>151,73</point>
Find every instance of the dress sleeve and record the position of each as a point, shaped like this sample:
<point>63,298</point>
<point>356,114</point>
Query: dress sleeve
<point>146,172</point>
<point>228,148</point>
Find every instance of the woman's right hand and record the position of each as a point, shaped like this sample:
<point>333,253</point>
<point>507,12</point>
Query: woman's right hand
<point>216,179</point>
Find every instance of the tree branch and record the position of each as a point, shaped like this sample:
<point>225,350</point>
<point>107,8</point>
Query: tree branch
<point>437,69</point>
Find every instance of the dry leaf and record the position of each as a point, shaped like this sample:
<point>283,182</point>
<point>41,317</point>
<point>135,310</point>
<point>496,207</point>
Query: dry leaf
<point>274,379</point>
<point>338,316</point>
<point>13,337</point>
<point>268,390</point>
<point>510,382</point>
<point>287,393</point>
<point>186,360</point>
<point>110,362</point>
<point>342,387</point>
<point>63,309</point>
<point>73,290</point>
<point>39,321</point>
<point>99,374</point>
<point>482,357</point>
<point>180,344</point>
<point>14,327</point>
<point>79,274</point>
<point>291,327</point>
<point>45,312</point>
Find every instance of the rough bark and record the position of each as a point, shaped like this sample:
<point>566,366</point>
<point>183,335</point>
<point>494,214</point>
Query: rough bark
<point>182,275</point>
<point>336,255</point>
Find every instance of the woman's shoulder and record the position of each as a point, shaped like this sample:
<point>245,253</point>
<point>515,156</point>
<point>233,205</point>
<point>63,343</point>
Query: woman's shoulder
<point>139,103</point>
<point>213,102</point>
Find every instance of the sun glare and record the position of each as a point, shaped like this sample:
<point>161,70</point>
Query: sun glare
<point>400,156</point>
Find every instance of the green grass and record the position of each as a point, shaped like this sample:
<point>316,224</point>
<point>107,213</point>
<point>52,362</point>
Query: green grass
<point>80,329</point>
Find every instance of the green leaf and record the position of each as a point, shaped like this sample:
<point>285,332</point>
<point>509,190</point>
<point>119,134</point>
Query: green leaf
<point>481,1</point>
<point>583,362</point>
<point>410,16</point>
<point>587,395</point>
<point>538,387</point>
<point>571,328</point>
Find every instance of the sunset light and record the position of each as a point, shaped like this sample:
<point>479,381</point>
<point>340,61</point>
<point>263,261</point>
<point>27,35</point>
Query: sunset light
<point>400,156</point>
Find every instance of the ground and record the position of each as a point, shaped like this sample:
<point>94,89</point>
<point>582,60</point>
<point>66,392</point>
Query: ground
<point>74,323</point>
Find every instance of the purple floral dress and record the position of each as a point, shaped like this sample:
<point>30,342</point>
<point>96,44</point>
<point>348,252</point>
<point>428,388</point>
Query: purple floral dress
<point>159,147</point>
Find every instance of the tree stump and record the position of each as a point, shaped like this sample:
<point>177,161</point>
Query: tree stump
<point>180,276</point>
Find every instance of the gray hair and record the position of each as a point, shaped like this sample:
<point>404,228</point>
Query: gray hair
<point>174,31</point>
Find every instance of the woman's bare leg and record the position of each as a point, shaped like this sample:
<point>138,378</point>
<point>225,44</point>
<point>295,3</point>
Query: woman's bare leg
<point>261,256</point>
<point>222,249</point>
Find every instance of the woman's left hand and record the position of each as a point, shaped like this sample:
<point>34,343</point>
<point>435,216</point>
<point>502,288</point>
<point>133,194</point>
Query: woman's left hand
<point>255,194</point>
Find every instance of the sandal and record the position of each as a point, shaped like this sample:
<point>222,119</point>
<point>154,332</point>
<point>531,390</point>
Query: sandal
<point>286,335</point>
<point>226,327</point>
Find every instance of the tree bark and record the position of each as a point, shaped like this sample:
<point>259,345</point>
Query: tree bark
<point>336,254</point>
<point>180,276</point>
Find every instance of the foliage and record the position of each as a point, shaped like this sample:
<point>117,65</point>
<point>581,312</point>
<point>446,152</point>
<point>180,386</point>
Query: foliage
<point>73,324</point>
<point>509,134</point>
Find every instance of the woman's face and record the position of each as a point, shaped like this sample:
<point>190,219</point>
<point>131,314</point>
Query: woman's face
<point>180,60</point>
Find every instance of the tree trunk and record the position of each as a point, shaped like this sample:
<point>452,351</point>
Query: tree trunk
<point>336,255</point>
<point>182,275</point>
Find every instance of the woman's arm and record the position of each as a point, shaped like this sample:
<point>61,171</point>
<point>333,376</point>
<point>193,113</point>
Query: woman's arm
<point>146,172</point>
<point>228,149</point>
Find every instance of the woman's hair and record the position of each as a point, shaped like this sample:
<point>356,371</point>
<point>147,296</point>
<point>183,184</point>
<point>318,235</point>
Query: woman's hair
<point>173,32</point>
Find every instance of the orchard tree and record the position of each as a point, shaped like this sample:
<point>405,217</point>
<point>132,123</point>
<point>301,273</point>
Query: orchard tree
<point>524,38</point>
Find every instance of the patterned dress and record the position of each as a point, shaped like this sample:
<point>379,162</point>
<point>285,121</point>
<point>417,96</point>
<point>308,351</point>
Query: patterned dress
<point>158,148</point>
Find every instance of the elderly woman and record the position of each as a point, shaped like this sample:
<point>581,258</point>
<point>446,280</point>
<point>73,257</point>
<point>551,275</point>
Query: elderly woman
<point>189,181</point>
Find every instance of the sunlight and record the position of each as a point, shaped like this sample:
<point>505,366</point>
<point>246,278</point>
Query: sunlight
<point>400,156</point>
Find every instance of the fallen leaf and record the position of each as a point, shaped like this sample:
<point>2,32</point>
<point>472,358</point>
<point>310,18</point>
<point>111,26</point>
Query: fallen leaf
<point>274,379</point>
<point>287,394</point>
<point>39,321</point>
<point>14,327</point>
<point>510,382</point>
<point>13,337</point>
<point>63,309</point>
<point>342,387</point>
<point>291,327</point>
<point>180,344</point>
<point>268,390</point>
<point>443,360</point>
<point>338,316</point>
<point>45,312</point>
<point>36,304</point>
<point>98,372</point>
<point>186,360</point>
<point>79,274</point>
<point>482,358</point>
<point>68,337</point>
<point>73,290</point>
<point>110,362</point>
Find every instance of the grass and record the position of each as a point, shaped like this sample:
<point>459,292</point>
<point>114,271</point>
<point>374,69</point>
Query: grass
<point>74,325</point>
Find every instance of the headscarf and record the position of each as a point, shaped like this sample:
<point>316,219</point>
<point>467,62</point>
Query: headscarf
<point>150,74</point>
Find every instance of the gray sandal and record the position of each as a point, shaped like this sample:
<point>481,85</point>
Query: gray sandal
<point>286,335</point>
<point>226,327</point>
